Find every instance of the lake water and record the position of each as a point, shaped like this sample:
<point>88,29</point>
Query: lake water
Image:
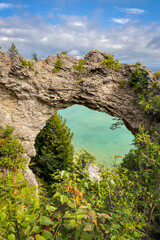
<point>92,132</point>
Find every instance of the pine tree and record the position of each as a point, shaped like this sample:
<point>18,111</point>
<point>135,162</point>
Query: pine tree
<point>53,148</point>
<point>12,51</point>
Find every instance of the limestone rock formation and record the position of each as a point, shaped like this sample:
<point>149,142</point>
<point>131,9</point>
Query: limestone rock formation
<point>30,95</point>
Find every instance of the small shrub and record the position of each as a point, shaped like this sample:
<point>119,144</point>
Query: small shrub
<point>64,52</point>
<point>111,63</point>
<point>80,66</point>
<point>57,66</point>
<point>157,75</point>
<point>27,63</point>
<point>138,78</point>
<point>122,83</point>
<point>79,80</point>
<point>34,57</point>
<point>36,72</point>
<point>12,51</point>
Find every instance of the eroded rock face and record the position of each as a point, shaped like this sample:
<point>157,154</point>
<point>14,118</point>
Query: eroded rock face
<point>30,96</point>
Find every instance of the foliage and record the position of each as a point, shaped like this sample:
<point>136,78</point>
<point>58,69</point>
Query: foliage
<point>27,63</point>
<point>53,148</point>
<point>122,83</point>
<point>150,100</point>
<point>57,66</point>
<point>64,52</point>
<point>111,63</point>
<point>79,80</point>
<point>157,75</point>
<point>138,78</point>
<point>148,95</point>
<point>124,204</point>
<point>12,51</point>
<point>34,57</point>
<point>80,66</point>
<point>16,197</point>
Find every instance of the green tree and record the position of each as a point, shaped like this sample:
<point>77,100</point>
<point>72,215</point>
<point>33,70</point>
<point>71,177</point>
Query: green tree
<point>34,57</point>
<point>53,148</point>
<point>12,51</point>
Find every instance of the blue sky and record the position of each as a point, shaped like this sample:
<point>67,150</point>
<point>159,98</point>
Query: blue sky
<point>130,29</point>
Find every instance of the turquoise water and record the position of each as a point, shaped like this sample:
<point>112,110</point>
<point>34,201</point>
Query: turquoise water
<point>92,132</point>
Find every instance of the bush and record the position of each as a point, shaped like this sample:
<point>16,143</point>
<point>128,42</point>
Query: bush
<point>53,148</point>
<point>16,197</point>
<point>64,52</point>
<point>80,66</point>
<point>157,75</point>
<point>138,78</point>
<point>57,66</point>
<point>111,63</point>
<point>27,63</point>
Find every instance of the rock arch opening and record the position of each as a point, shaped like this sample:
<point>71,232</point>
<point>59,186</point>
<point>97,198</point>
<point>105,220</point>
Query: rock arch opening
<point>92,132</point>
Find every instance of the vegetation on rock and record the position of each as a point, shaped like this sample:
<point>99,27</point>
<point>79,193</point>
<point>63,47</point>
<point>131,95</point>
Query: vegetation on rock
<point>138,78</point>
<point>64,52</point>
<point>27,63</point>
<point>80,66</point>
<point>12,51</point>
<point>157,75</point>
<point>57,66</point>
<point>111,63</point>
<point>34,57</point>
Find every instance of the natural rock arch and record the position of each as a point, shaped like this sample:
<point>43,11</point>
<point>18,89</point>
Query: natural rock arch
<point>30,95</point>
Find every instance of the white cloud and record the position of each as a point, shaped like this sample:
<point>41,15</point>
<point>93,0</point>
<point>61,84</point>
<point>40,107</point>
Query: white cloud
<point>132,10</point>
<point>130,42</point>
<point>7,5</point>
<point>120,20</point>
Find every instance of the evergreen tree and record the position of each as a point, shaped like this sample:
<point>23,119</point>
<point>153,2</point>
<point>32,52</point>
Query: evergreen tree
<point>12,51</point>
<point>34,57</point>
<point>53,148</point>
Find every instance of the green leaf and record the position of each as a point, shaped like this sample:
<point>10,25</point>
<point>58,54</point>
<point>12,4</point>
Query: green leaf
<point>50,208</point>
<point>46,221</point>
<point>47,235</point>
<point>11,237</point>
<point>63,199</point>
<point>104,215</point>
<point>30,238</point>
<point>36,229</point>
<point>39,237</point>
<point>86,236</point>
<point>59,238</point>
<point>28,229</point>
<point>92,213</point>
<point>3,216</point>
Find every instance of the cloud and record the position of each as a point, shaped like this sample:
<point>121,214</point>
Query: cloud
<point>120,20</point>
<point>7,5</point>
<point>132,10</point>
<point>78,35</point>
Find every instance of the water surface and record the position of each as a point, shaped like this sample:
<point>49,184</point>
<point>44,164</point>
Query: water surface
<point>92,132</point>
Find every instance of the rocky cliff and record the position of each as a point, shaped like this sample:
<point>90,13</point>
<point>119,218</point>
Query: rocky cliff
<point>30,94</point>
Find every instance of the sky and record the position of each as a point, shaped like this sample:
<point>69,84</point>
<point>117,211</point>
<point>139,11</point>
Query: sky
<point>129,29</point>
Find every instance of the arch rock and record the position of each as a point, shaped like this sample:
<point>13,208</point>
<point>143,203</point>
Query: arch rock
<point>30,95</point>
